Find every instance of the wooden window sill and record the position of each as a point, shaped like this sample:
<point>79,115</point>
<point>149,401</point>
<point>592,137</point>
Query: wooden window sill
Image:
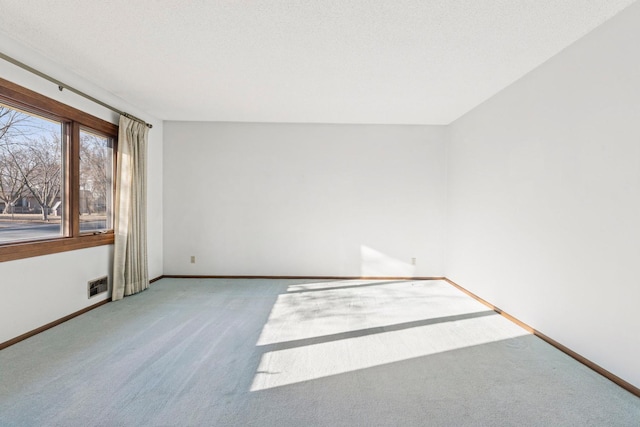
<point>14,251</point>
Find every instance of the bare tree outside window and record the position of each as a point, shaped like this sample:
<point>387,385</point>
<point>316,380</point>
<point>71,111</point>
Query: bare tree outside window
<point>30,176</point>
<point>12,185</point>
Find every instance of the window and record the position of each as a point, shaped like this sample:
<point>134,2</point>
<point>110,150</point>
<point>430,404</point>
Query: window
<point>56,176</point>
<point>96,184</point>
<point>30,176</point>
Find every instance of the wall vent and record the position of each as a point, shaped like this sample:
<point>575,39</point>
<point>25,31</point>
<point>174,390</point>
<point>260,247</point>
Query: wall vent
<point>98,286</point>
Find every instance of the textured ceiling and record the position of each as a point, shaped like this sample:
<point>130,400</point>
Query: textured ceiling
<point>331,61</point>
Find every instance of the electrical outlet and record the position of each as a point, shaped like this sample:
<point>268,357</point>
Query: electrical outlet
<point>193,259</point>
<point>413,261</point>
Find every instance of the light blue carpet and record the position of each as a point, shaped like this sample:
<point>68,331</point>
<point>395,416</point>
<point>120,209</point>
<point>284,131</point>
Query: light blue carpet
<point>300,353</point>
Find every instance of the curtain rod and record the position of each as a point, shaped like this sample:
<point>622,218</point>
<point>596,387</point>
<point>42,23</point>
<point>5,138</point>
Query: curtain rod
<point>62,86</point>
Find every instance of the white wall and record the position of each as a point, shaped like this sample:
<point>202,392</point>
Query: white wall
<point>544,198</point>
<point>39,290</point>
<point>304,199</point>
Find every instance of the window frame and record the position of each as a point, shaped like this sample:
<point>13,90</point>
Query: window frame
<point>74,119</point>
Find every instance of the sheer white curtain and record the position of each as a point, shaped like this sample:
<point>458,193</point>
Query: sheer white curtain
<point>130,271</point>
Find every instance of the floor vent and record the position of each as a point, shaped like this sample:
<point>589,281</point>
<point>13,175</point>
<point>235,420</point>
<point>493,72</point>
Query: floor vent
<point>98,286</point>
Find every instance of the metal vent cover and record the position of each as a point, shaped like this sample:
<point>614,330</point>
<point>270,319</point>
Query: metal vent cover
<point>97,286</point>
